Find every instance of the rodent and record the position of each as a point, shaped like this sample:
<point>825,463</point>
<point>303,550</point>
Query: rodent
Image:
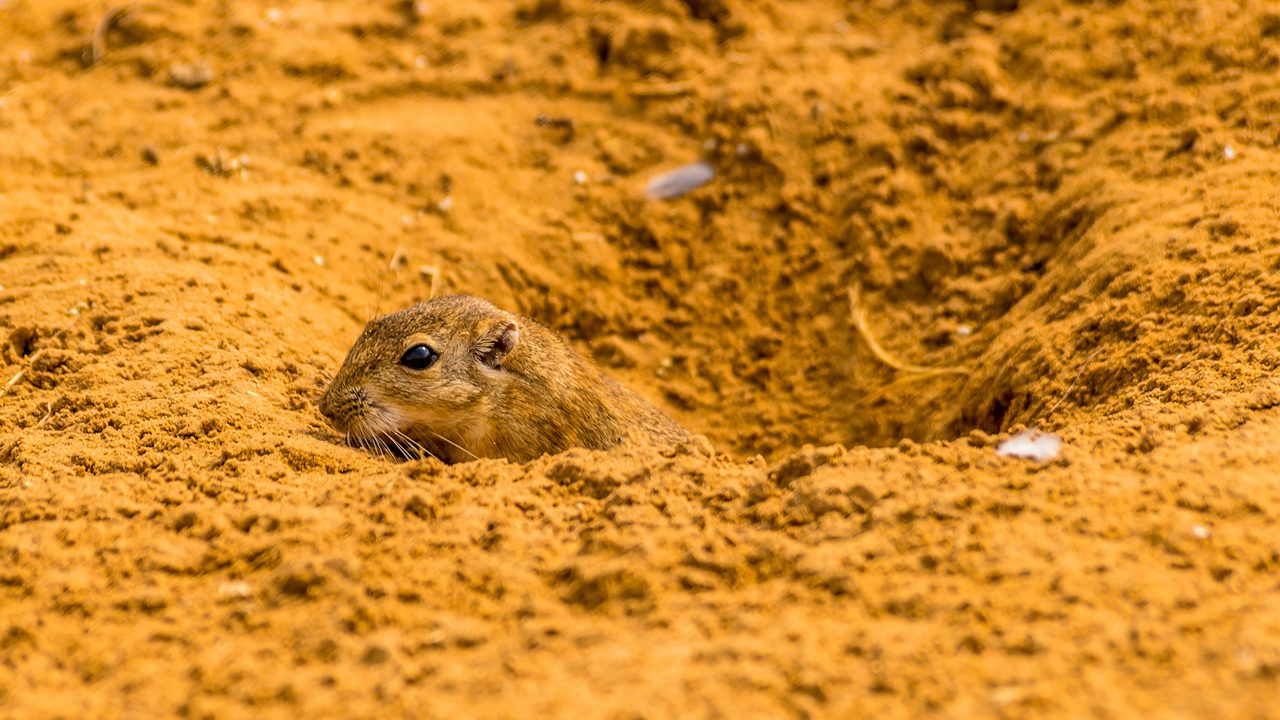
<point>461,379</point>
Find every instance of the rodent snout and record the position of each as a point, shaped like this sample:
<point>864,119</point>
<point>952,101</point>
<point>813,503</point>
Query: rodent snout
<point>338,407</point>
<point>327,409</point>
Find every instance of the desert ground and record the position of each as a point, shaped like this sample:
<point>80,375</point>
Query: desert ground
<point>1072,206</point>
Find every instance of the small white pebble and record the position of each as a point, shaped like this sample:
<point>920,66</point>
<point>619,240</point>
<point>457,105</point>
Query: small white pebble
<point>445,204</point>
<point>239,589</point>
<point>1024,137</point>
<point>319,260</point>
<point>1201,532</point>
<point>742,149</point>
<point>74,311</point>
<point>580,177</point>
<point>964,330</point>
<point>406,220</point>
<point>83,282</point>
<point>420,61</point>
<point>274,14</point>
<point>1229,152</point>
<point>680,181</point>
<point>1031,445</point>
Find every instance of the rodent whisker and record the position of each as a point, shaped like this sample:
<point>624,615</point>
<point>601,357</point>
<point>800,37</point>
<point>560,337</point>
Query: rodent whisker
<point>419,452</point>
<point>383,437</point>
<point>367,441</point>
<point>422,451</point>
<point>438,435</point>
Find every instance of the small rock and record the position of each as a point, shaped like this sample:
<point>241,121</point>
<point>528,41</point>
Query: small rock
<point>190,76</point>
<point>222,165</point>
<point>235,589</point>
<point>1031,445</point>
<point>680,181</point>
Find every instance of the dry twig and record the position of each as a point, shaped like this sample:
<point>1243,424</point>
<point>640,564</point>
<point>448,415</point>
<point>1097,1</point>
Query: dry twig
<point>860,323</point>
<point>98,40</point>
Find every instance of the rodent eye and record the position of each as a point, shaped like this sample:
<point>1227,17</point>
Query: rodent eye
<point>419,357</point>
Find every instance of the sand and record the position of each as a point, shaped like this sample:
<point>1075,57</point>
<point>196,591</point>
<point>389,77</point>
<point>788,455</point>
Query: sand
<point>1075,203</point>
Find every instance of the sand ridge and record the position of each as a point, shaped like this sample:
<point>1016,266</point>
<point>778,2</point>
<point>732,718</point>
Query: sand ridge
<point>194,227</point>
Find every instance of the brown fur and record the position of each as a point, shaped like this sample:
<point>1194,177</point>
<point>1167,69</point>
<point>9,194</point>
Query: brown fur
<point>503,386</point>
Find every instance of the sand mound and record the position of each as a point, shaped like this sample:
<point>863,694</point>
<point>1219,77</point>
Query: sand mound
<point>1074,202</point>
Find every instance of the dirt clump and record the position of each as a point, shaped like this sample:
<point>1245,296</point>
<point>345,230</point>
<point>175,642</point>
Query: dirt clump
<point>204,202</point>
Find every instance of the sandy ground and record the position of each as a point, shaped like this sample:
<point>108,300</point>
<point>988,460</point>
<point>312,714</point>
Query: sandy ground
<point>199,212</point>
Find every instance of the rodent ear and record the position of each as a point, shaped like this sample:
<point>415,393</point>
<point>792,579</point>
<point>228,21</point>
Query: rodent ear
<point>496,342</point>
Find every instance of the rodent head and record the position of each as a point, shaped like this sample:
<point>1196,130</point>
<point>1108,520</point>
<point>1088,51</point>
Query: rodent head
<point>430,372</point>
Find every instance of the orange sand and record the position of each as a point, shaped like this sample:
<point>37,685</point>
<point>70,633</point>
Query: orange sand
<point>1037,191</point>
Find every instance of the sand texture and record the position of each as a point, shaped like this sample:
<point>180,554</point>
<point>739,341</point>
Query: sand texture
<point>1075,203</point>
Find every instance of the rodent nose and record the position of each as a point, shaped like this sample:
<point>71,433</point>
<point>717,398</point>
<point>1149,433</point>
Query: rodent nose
<point>328,408</point>
<point>340,406</point>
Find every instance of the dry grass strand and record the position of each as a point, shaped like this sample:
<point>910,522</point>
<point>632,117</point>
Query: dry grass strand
<point>860,323</point>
